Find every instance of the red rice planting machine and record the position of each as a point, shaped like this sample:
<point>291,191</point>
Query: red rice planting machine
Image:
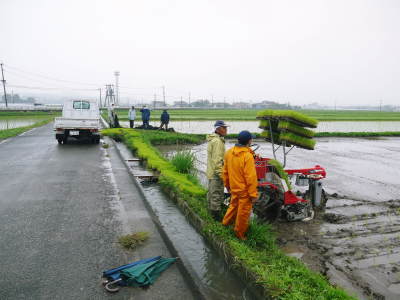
<point>285,130</point>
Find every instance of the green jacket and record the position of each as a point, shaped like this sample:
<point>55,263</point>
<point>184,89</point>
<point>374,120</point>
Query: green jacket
<point>215,155</point>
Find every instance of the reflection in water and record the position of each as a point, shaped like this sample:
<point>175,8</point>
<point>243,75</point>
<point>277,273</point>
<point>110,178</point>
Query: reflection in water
<point>252,126</point>
<point>218,281</point>
<point>15,123</point>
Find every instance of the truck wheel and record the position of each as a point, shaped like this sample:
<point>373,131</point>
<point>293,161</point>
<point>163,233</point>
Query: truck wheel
<point>97,141</point>
<point>60,141</point>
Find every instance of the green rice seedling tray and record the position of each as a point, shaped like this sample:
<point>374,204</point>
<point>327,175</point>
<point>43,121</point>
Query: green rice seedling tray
<point>264,124</point>
<point>267,136</point>
<point>298,141</point>
<point>296,129</point>
<point>289,115</point>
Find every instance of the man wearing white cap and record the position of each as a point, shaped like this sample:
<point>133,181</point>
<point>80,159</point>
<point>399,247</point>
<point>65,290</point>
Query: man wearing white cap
<point>215,161</point>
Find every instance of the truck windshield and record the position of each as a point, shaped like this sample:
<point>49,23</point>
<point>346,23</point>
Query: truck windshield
<point>81,105</point>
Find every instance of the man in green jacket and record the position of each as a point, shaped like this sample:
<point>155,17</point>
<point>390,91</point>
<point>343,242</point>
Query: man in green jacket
<point>215,161</point>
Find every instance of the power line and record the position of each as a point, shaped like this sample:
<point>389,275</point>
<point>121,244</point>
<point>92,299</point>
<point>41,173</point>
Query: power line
<point>47,77</point>
<point>48,88</point>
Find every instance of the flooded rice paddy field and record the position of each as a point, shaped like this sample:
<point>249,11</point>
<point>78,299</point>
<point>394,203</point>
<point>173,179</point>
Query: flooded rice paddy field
<point>356,241</point>
<point>15,123</point>
<point>252,126</point>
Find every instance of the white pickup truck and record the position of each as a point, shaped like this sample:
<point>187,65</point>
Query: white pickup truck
<point>80,119</point>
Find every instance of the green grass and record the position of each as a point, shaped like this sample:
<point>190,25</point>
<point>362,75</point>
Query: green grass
<point>251,114</point>
<point>265,134</point>
<point>131,241</point>
<point>258,258</point>
<point>357,134</point>
<point>7,133</point>
<point>27,114</point>
<point>184,161</point>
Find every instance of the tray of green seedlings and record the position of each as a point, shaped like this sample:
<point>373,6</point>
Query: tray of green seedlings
<point>284,126</point>
<point>267,135</point>
<point>288,115</point>
<point>299,141</point>
<point>285,130</point>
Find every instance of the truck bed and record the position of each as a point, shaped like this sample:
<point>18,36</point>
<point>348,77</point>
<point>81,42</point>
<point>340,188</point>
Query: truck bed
<point>70,123</point>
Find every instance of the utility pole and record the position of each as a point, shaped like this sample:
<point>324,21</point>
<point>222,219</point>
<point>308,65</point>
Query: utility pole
<point>181,101</point>
<point>110,97</point>
<point>155,99</point>
<point>380,105</point>
<point>4,85</point>
<point>224,101</point>
<point>163,92</point>
<point>212,100</point>
<point>189,99</point>
<point>100,97</point>
<point>116,73</point>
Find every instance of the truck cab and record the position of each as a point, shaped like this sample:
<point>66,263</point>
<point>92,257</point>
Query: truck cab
<point>80,120</point>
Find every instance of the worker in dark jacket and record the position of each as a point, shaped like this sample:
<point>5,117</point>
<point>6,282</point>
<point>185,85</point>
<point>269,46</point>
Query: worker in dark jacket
<point>164,120</point>
<point>145,116</point>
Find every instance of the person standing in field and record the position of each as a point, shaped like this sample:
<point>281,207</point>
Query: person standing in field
<point>164,120</point>
<point>240,178</point>
<point>215,160</point>
<point>131,117</point>
<point>145,116</point>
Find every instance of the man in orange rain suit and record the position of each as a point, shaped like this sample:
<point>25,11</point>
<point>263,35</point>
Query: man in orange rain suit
<point>240,178</point>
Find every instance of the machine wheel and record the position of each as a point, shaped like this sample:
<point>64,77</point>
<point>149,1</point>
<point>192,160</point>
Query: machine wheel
<point>269,204</point>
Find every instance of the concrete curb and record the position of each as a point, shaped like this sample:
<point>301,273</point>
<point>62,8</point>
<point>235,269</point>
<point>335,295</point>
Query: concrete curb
<point>184,267</point>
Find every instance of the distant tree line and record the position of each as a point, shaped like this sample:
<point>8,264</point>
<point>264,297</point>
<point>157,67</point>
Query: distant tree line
<point>15,98</point>
<point>239,105</point>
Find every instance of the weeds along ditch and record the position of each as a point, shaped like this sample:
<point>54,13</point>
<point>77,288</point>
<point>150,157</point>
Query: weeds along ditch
<point>258,259</point>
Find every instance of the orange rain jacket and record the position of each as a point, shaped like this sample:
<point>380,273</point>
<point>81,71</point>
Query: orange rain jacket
<point>239,172</point>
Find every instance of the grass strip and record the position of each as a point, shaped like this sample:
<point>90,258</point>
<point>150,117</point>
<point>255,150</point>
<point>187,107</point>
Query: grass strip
<point>7,133</point>
<point>292,115</point>
<point>258,258</point>
<point>298,141</point>
<point>251,114</point>
<point>357,134</point>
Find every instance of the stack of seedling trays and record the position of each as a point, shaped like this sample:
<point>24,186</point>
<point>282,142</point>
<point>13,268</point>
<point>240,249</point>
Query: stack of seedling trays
<point>288,128</point>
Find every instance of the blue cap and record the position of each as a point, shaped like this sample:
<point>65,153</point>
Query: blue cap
<point>220,123</point>
<point>244,137</point>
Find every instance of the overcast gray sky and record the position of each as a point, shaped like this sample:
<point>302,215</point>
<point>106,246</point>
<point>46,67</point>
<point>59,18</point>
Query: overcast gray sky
<point>298,51</point>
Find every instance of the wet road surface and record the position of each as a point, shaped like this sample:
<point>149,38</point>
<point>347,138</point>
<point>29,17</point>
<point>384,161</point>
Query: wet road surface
<point>60,215</point>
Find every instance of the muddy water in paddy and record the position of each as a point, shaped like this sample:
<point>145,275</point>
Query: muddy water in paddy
<point>356,242</point>
<point>237,126</point>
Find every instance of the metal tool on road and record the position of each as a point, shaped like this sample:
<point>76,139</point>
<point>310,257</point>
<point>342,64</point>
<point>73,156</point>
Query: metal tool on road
<point>137,274</point>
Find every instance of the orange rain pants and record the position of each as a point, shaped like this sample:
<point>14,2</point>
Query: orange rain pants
<point>239,213</point>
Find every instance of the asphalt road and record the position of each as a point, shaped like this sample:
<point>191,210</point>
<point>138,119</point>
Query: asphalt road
<point>59,221</point>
